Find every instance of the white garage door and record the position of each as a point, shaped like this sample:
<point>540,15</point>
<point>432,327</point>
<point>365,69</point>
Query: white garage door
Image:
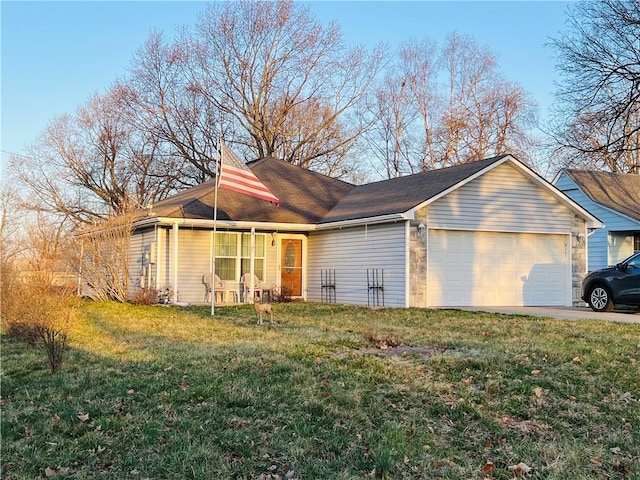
<point>497,269</point>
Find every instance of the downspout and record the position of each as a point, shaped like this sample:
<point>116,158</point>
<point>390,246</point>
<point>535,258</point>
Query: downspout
<point>427,265</point>
<point>407,264</point>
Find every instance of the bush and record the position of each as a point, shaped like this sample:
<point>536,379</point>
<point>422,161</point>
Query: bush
<point>280,295</point>
<point>36,312</point>
<point>145,296</point>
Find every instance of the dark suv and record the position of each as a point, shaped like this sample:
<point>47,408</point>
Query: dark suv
<point>602,289</point>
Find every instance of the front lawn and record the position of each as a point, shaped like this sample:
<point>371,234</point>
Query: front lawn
<point>330,392</point>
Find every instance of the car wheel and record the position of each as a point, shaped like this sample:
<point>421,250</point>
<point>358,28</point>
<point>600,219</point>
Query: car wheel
<point>600,299</point>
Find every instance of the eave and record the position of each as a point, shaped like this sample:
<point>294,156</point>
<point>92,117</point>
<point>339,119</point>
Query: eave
<point>221,224</point>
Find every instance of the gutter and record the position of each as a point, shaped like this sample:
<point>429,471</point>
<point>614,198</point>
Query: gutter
<point>200,223</point>
<point>366,221</point>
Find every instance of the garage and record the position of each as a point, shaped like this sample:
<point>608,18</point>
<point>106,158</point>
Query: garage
<point>470,268</point>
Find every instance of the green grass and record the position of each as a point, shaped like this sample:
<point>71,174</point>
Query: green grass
<point>330,392</point>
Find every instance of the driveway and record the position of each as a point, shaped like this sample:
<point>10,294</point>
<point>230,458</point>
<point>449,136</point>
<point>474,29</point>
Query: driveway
<point>564,313</point>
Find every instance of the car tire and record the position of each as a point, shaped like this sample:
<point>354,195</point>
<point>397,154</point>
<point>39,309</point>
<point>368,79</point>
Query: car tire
<point>600,299</point>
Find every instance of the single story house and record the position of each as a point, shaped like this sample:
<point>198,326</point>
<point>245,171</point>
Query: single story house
<point>613,198</point>
<point>487,233</point>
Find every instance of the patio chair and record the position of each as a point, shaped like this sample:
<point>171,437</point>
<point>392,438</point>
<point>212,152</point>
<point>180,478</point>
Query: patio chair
<point>245,280</point>
<point>220,287</point>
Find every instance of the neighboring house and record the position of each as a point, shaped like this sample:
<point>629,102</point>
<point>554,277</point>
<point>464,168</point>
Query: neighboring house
<point>613,198</point>
<point>487,233</point>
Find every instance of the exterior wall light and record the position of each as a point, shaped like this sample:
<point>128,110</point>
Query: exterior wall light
<point>420,230</point>
<point>579,238</point>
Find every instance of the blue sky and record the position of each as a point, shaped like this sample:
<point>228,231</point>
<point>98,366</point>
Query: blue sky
<point>55,54</point>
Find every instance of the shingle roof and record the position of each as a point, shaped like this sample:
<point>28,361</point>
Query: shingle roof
<point>398,195</point>
<point>618,191</point>
<point>308,197</point>
<point>305,197</point>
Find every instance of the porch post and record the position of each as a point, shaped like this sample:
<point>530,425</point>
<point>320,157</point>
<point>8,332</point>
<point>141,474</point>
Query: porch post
<point>252,255</point>
<point>174,254</point>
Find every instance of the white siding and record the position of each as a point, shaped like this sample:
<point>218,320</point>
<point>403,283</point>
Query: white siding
<point>599,242</point>
<point>351,251</point>
<point>502,200</point>
<point>139,257</point>
<point>194,260</point>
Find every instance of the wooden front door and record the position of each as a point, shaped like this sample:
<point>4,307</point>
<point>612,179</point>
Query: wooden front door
<point>291,267</point>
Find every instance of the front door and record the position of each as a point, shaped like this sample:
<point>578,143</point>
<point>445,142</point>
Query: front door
<point>291,267</point>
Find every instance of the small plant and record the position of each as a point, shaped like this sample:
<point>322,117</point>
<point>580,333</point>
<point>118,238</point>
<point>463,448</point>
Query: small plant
<point>281,294</point>
<point>145,296</point>
<point>381,341</point>
<point>165,296</point>
<point>55,343</point>
<point>38,313</point>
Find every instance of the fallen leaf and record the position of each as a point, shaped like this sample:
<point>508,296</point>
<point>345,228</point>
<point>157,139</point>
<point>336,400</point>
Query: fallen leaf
<point>130,391</point>
<point>615,450</point>
<point>100,449</point>
<point>620,467</point>
<point>56,418</point>
<point>571,398</point>
<point>576,360</point>
<point>83,417</point>
<point>537,392</point>
<point>536,373</point>
<point>520,468</point>
<point>49,472</point>
<point>488,468</point>
<point>596,461</point>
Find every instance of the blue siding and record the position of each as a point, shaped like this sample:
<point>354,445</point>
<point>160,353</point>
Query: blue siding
<point>600,254</point>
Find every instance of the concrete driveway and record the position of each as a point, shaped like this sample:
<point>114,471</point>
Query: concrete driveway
<point>564,313</point>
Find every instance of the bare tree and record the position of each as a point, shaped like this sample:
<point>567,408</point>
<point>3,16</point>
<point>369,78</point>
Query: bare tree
<point>446,107</point>
<point>598,118</point>
<point>102,258</point>
<point>93,163</point>
<point>287,82</point>
<point>166,105</point>
<point>11,243</point>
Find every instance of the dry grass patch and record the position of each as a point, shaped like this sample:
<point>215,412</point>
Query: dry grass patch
<point>330,392</point>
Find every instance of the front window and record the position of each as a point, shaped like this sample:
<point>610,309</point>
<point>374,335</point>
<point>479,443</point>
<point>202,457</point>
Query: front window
<point>258,258</point>
<point>226,255</point>
<point>233,255</point>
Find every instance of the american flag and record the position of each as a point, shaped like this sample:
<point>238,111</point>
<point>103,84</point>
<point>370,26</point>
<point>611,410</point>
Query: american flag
<point>236,176</point>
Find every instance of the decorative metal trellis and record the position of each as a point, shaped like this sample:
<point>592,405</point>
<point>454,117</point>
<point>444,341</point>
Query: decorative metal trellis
<point>375,287</point>
<point>328,286</point>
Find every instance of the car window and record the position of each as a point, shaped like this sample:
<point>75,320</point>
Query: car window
<point>634,262</point>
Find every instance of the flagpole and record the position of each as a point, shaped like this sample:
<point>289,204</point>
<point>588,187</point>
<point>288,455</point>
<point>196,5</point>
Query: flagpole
<point>215,226</point>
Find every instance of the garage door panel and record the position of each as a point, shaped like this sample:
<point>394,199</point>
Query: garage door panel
<point>493,269</point>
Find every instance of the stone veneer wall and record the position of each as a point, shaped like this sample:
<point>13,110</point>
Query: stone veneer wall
<point>578,259</point>
<point>417,263</point>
